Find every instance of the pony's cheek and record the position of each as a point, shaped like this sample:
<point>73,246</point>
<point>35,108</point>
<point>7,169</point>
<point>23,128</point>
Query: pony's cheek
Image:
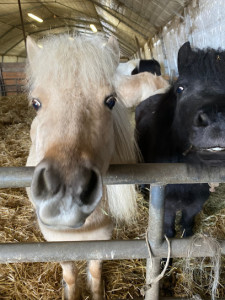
<point>33,130</point>
<point>111,149</point>
<point>41,142</point>
<point>104,155</point>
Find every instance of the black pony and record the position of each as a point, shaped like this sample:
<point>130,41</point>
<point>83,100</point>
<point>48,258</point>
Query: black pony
<point>147,65</point>
<point>186,125</point>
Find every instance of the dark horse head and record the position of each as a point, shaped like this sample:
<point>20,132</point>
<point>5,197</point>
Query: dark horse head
<point>187,124</point>
<point>199,105</point>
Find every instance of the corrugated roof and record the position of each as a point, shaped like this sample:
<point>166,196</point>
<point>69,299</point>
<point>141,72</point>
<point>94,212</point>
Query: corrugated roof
<point>131,21</point>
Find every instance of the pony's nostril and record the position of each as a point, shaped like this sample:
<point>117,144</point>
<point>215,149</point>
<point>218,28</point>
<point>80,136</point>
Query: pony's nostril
<point>46,181</point>
<point>202,119</point>
<point>89,187</point>
<point>52,181</point>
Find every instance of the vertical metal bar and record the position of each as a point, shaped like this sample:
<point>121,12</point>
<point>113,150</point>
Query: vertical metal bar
<point>155,237</point>
<point>22,23</point>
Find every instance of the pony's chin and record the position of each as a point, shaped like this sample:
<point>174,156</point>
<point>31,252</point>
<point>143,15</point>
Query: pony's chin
<point>212,156</point>
<point>60,227</point>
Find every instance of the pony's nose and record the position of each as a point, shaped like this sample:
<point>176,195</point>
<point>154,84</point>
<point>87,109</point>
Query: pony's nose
<point>46,181</point>
<point>65,198</point>
<point>82,185</point>
<point>202,119</point>
<point>88,181</point>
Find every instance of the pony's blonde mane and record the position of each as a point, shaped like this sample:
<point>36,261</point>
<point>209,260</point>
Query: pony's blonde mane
<point>122,198</point>
<point>66,61</point>
<point>83,60</point>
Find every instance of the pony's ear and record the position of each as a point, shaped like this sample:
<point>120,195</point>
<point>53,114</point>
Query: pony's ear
<point>114,45</point>
<point>185,56</point>
<point>32,48</point>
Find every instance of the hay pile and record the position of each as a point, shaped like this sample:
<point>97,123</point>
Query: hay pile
<point>123,279</point>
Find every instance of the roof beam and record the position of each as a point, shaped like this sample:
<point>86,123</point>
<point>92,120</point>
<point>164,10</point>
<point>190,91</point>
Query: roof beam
<point>29,23</point>
<point>12,47</point>
<point>29,2</point>
<point>126,48</point>
<point>117,17</point>
<point>12,26</point>
<point>43,5</point>
<point>43,30</point>
<point>137,13</point>
<point>61,26</point>
<point>75,20</point>
<point>81,12</point>
<point>13,13</point>
<point>4,34</point>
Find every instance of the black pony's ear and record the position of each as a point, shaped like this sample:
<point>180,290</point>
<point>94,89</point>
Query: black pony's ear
<point>185,57</point>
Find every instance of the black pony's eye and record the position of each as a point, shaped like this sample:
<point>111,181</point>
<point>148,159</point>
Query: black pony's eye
<point>36,103</point>
<point>110,101</point>
<point>179,89</point>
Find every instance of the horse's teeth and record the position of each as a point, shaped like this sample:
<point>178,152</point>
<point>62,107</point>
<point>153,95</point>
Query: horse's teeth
<point>215,149</point>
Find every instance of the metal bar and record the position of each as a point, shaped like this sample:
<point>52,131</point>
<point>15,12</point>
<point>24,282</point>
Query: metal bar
<point>15,177</point>
<point>155,238</point>
<point>103,250</point>
<point>165,173</point>
<point>22,23</point>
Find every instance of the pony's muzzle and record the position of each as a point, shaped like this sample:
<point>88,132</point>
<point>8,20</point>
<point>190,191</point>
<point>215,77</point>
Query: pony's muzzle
<point>64,199</point>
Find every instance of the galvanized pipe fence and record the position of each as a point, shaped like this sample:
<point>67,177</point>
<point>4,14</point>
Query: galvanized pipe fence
<point>158,175</point>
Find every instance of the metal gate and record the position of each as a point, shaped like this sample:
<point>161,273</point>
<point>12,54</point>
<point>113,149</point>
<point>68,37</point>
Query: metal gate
<point>158,175</point>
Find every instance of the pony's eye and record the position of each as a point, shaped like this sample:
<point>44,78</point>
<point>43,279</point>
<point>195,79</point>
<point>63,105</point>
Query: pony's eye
<point>36,103</point>
<point>110,101</point>
<point>179,89</point>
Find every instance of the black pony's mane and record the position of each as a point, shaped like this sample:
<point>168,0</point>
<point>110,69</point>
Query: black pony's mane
<point>207,64</point>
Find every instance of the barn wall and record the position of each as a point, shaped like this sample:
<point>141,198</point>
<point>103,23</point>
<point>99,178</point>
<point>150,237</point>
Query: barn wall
<point>11,59</point>
<point>202,23</point>
<point>12,78</point>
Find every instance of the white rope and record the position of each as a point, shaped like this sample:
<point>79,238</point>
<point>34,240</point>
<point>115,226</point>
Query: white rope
<point>161,275</point>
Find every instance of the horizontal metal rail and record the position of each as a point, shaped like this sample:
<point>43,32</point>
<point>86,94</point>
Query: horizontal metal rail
<point>156,174</point>
<point>127,174</point>
<point>104,250</point>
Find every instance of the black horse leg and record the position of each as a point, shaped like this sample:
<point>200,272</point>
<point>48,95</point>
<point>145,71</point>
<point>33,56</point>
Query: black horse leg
<point>169,221</point>
<point>198,194</point>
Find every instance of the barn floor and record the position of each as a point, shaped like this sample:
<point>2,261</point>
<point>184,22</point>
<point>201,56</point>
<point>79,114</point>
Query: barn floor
<point>123,279</point>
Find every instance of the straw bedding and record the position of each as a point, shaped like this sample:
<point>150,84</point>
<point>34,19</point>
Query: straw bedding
<point>122,279</point>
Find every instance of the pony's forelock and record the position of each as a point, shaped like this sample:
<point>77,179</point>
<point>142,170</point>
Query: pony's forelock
<point>66,61</point>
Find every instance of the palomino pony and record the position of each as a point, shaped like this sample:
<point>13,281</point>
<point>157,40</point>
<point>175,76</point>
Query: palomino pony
<point>79,130</point>
<point>133,89</point>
